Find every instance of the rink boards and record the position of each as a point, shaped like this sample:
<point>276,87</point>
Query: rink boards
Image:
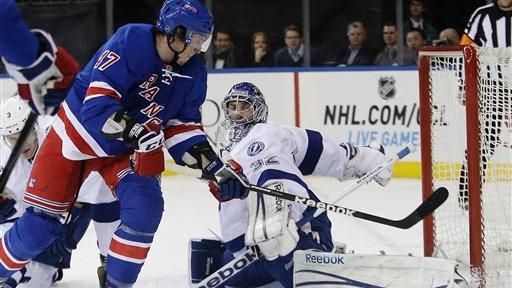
<point>358,105</point>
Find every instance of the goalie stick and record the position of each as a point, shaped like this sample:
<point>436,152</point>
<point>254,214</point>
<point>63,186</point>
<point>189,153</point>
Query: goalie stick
<point>16,151</point>
<point>324,206</point>
<point>409,149</point>
<point>428,206</point>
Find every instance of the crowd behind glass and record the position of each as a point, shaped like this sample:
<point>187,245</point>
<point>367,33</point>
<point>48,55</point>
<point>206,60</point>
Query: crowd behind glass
<point>418,32</point>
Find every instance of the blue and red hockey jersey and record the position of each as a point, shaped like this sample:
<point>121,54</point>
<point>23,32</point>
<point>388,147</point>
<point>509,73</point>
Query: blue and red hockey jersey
<point>127,73</point>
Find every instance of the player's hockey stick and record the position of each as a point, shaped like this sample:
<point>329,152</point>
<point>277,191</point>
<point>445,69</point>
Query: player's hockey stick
<point>428,206</point>
<point>409,149</point>
<point>16,150</point>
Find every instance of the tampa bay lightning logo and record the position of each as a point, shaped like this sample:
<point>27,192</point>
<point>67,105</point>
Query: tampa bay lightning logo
<point>255,148</point>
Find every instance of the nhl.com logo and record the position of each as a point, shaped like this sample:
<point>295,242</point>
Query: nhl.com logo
<point>387,87</point>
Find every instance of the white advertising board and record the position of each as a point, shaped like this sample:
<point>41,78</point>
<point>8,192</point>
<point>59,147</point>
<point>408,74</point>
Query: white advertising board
<point>362,106</point>
<point>347,105</point>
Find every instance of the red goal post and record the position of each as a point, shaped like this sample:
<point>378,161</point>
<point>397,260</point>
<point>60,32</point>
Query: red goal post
<point>465,96</point>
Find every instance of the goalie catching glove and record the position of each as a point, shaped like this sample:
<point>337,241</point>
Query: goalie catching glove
<point>363,159</point>
<point>148,159</point>
<point>44,84</point>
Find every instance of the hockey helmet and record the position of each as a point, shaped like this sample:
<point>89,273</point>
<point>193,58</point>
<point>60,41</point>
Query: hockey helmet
<point>191,15</point>
<point>14,113</point>
<point>244,106</point>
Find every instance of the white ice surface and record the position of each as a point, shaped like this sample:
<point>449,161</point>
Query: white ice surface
<point>190,210</point>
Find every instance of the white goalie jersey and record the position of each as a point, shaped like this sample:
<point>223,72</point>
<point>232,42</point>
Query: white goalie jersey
<point>272,154</point>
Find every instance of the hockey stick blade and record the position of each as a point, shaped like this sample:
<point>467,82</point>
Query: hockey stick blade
<point>436,199</point>
<point>16,150</point>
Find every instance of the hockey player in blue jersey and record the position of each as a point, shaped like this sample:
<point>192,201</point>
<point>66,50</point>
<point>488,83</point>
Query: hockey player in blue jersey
<point>277,157</point>
<point>95,202</point>
<point>140,92</point>
<point>42,70</point>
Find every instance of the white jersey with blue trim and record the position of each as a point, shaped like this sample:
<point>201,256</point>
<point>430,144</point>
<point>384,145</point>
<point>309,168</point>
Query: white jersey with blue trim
<point>272,153</point>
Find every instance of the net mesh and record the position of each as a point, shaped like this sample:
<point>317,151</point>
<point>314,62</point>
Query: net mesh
<point>449,167</point>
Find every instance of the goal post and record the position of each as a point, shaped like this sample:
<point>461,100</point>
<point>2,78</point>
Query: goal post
<point>465,102</point>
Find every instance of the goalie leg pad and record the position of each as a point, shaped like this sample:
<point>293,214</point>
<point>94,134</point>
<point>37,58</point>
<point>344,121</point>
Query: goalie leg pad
<point>205,257</point>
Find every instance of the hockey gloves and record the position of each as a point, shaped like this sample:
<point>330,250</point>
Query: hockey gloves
<point>148,159</point>
<point>232,184</point>
<point>7,208</point>
<point>45,83</point>
<point>227,180</point>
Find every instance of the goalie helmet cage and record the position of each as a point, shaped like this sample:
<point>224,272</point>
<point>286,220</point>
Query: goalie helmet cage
<point>465,100</point>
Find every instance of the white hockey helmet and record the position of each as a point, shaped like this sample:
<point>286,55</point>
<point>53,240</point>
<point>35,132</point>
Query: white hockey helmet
<point>14,113</point>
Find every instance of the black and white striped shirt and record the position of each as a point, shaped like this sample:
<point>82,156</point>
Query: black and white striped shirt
<point>489,26</point>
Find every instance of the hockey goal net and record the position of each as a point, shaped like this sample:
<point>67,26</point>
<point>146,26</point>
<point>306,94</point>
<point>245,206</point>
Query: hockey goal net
<point>466,124</point>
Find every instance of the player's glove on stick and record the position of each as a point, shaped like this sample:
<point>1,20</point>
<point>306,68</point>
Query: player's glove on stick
<point>7,208</point>
<point>227,180</point>
<point>44,84</point>
<point>232,184</point>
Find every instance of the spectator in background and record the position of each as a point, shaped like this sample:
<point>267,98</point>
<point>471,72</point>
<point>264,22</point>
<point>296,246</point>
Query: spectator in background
<point>416,39</point>
<point>356,53</point>
<point>224,52</point>
<point>416,20</point>
<point>447,37</point>
<point>389,56</point>
<point>261,55</point>
<point>293,53</point>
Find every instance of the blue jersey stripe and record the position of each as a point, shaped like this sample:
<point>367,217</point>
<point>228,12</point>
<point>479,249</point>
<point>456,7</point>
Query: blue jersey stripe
<point>313,152</point>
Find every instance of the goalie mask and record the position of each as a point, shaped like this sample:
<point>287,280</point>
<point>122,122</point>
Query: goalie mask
<point>244,107</point>
<point>14,112</point>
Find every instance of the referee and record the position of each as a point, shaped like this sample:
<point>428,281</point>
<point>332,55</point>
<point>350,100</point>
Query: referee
<point>489,26</point>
